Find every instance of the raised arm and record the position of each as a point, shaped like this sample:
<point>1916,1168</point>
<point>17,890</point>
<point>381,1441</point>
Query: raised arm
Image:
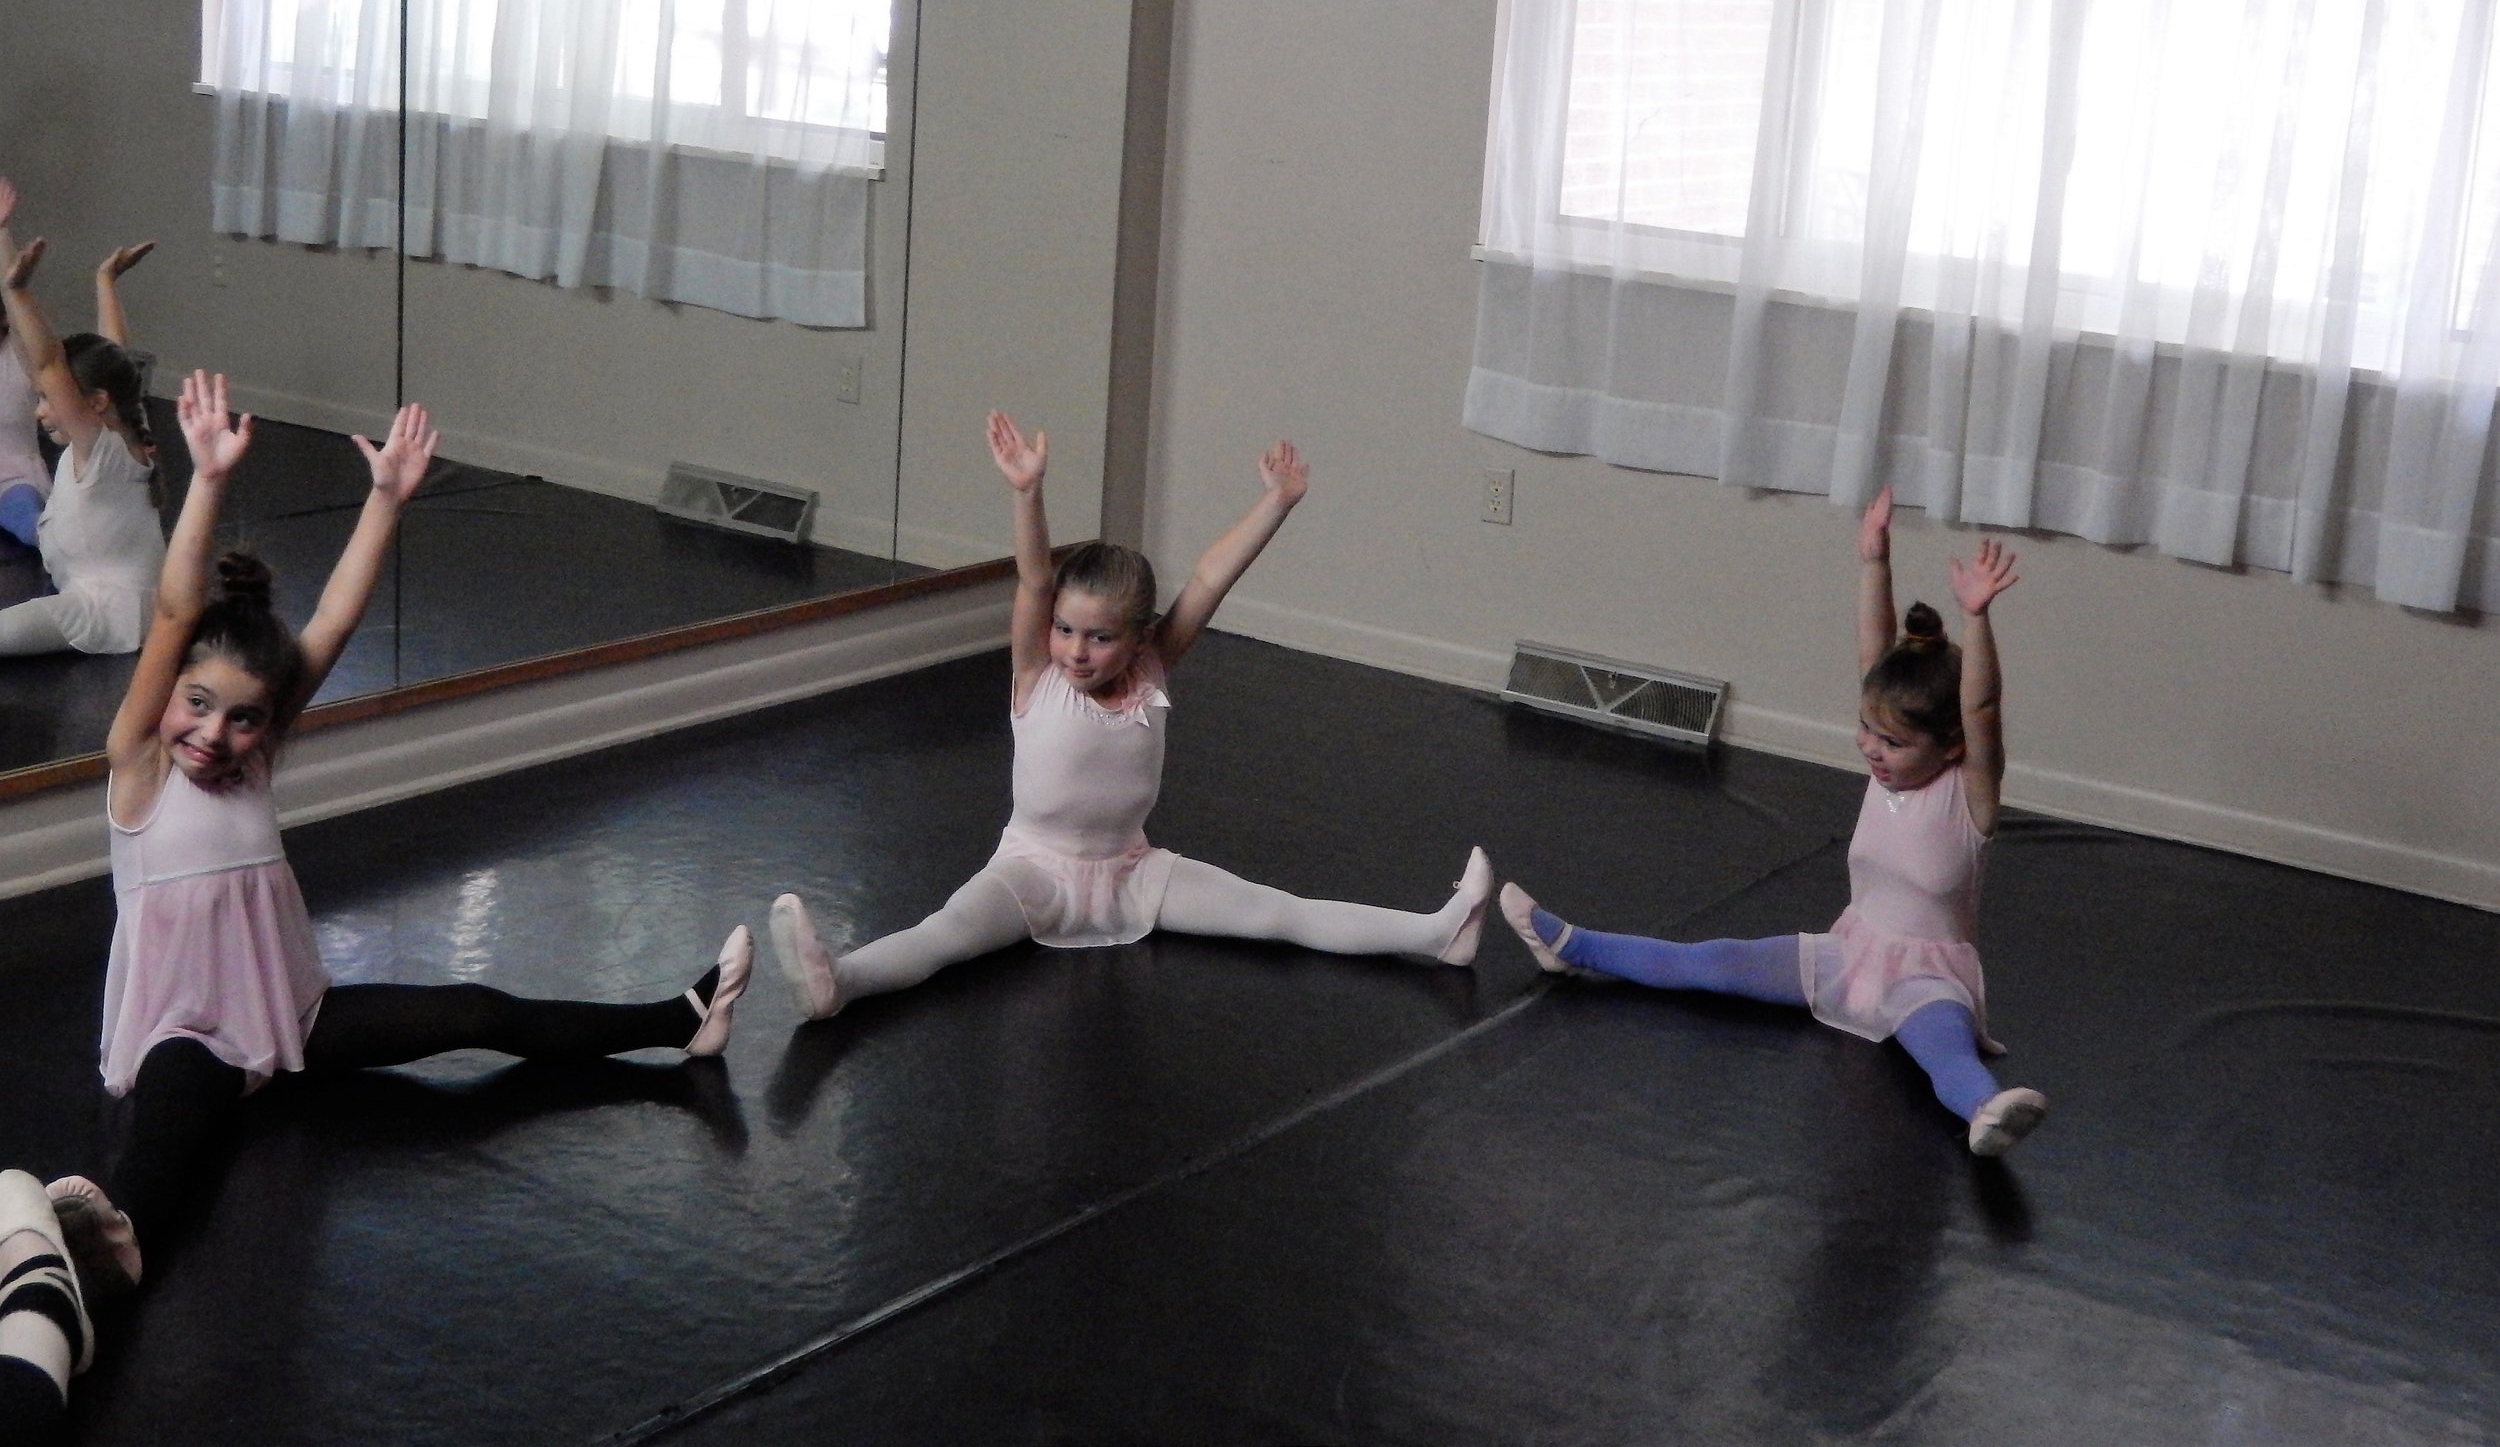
<point>1022,463</point>
<point>38,346</point>
<point>218,442</point>
<point>1283,477</point>
<point>110,321</point>
<point>398,465</point>
<point>1976,584</point>
<point>1876,621</point>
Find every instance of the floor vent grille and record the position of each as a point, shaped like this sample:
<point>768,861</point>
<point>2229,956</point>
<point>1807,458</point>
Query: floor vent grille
<point>1655,702</point>
<point>742,504</point>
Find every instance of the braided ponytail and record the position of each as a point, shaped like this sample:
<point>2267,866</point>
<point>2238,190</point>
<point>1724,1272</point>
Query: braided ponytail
<point>99,364</point>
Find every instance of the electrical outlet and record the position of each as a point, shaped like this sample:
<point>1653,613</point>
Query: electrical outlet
<point>1499,484</point>
<point>846,381</point>
<point>217,267</point>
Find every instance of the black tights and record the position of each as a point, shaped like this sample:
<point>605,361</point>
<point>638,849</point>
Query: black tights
<point>31,1409</point>
<point>181,1110</point>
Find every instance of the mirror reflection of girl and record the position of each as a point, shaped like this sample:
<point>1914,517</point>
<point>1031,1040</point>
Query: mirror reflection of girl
<point>24,480</point>
<point>1899,963</point>
<point>98,530</point>
<point>215,984</point>
<point>1088,709</point>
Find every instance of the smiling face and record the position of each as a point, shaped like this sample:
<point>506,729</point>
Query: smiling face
<point>1091,640</point>
<point>217,719</point>
<point>1900,757</point>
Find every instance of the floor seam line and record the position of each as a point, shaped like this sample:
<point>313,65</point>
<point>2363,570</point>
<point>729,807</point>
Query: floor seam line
<point>680,1414</point>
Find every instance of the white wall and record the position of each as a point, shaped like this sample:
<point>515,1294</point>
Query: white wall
<point>1321,196</point>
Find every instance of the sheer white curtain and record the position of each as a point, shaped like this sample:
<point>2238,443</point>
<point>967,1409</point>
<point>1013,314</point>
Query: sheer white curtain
<point>2217,275</point>
<point>716,152</point>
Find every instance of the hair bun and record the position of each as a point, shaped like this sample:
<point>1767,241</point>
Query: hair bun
<point>242,580</point>
<point>1922,627</point>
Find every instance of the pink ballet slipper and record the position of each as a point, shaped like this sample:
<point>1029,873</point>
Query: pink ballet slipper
<point>1520,911</point>
<point>97,1232</point>
<point>737,961</point>
<point>1475,886</point>
<point>804,958</point>
<point>2005,1119</point>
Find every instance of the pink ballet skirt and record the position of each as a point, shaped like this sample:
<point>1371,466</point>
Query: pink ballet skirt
<point>1074,852</point>
<point>213,942</point>
<point>1904,941</point>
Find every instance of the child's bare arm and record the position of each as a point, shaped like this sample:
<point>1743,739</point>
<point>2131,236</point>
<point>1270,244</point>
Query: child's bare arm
<point>218,442</point>
<point>1876,620</point>
<point>110,321</point>
<point>38,346</point>
<point>1284,477</point>
<point>398,466</point>
<point>1022,463</point>
<point>1976,585</point>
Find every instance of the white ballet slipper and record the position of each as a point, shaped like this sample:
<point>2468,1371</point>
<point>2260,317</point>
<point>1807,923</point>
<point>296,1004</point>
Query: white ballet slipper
<point>737,961</point>
<point>804,959</point>
<point>96,1229</point>
<point>1520,911</point>
<point>1475,886</point>
<point>2005,1119</point>
<point>25,1209</point>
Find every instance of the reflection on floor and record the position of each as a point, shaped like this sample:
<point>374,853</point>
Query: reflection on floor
<point>492,568</point>
<point>1200,1191</point>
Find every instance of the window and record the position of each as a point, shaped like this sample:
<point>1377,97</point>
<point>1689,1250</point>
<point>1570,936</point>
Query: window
<point>2289,152</point>
<point>2218,275</point>
<point>739,76</point>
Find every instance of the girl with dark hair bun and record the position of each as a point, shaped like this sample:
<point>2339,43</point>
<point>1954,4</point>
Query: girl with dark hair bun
<point>1899,964</point>
<point>98,530</point>
<point>1088,710</point>
<point>215,984</point>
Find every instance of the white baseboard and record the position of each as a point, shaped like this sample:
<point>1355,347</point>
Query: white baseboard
<point>1412,653</point>
<point>59,837</point>
<point>2045,791</point>
<point>2162,816</point>
<point>871,533</point>
<point>305,411</point>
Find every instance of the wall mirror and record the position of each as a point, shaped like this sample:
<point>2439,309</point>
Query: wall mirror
<point>568,383</point>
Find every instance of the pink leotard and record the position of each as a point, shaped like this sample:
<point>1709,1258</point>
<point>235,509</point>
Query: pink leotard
<point>1075,851</point>
<point>1905,939</point>
<point>213,940</point>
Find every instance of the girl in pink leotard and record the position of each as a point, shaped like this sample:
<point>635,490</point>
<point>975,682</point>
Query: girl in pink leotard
<point>215,983</point>
<point>1088,710</point>
<point>1899,962</point>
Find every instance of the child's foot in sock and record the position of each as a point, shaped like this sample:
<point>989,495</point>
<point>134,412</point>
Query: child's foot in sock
<point>1475,891</point>
<point>1543,934</point>
<point>717,993</point>
<point>2004,1119</point>
<point>804,958</point>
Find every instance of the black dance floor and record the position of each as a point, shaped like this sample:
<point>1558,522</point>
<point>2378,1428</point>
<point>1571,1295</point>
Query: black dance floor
<point>489,568</point>
<point>1201,1191</point>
